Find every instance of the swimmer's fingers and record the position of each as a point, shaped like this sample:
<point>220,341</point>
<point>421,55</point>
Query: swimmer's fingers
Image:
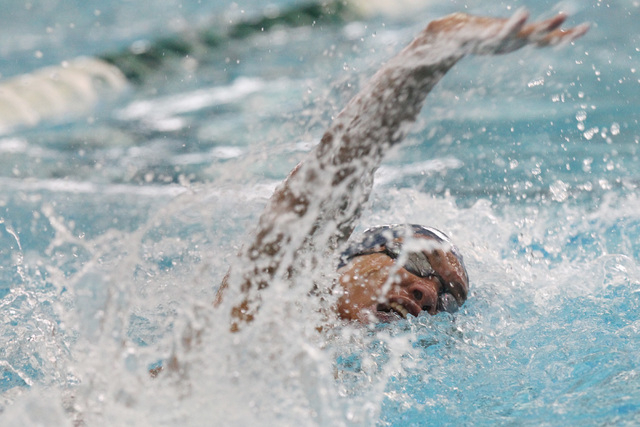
<point>536,31</point>
<point>559,36</point>
<point>515,34</point>
<point>461,34</point>
<point>549,33</point>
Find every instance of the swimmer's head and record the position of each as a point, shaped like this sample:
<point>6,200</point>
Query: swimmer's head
<point>396,270</point>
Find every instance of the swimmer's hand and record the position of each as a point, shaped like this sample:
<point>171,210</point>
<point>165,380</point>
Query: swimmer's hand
<point>489,36</point>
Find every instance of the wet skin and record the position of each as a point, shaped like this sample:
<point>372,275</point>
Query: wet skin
<point>375,288</point>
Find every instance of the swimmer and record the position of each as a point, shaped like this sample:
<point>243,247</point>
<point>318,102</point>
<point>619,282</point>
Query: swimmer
<point>392,271</point>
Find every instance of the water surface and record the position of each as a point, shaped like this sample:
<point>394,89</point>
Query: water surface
<point>117,226</point>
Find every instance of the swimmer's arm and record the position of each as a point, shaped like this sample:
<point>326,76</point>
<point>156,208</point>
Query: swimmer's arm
<point>321,199</point>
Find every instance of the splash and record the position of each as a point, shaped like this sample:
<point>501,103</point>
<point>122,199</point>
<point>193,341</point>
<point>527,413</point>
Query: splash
<point>103,282</point>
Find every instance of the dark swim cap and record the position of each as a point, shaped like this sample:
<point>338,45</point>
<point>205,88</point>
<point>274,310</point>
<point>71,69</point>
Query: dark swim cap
<point>388,239</point>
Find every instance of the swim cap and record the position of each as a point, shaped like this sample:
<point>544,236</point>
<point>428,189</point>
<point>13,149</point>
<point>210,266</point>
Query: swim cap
<point>389,239</point>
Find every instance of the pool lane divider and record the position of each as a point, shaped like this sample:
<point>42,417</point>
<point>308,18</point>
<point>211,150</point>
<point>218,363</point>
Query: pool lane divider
<point>77,87</point>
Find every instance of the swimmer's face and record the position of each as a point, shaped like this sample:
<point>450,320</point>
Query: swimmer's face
<point>376,289</point>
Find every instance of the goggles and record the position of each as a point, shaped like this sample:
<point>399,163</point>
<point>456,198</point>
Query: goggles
<point>388,239</point>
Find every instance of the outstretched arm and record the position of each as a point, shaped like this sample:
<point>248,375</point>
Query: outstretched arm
<point>319,202</point>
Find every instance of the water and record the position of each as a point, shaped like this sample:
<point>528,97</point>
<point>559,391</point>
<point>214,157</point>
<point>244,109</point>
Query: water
<point>116,228</point>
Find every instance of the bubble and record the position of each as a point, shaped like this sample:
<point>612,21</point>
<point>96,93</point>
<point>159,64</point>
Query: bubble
<point>615,129</point>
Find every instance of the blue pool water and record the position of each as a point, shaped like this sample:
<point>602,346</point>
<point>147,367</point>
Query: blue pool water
<point>117,225</point>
